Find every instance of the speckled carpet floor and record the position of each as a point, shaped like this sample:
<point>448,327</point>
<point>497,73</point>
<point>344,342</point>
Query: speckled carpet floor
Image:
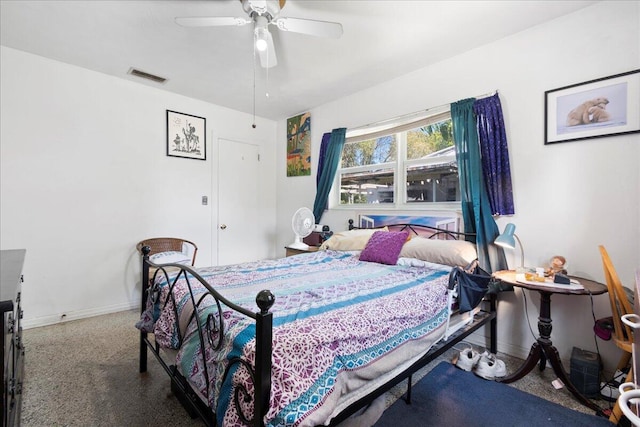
<point>85,373</point>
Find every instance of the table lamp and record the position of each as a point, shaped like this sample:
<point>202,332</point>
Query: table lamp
<point>508,240</point>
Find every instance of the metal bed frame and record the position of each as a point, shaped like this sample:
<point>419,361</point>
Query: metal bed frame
<point>261,372</point>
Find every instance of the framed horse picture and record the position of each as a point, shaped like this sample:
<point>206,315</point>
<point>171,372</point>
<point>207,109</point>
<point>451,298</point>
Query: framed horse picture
<point>186,136</point>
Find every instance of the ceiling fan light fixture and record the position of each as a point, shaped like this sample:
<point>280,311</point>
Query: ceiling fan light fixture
<point>261,36</point>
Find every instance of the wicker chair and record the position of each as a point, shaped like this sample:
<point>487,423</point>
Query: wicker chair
<point>166,244</point>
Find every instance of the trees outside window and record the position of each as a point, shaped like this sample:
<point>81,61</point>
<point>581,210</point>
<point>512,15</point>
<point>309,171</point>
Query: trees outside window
<point>407,165</point>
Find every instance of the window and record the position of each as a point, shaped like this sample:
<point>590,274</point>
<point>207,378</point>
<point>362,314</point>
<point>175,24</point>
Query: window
<point>367,170</point>
<point>412,164</point>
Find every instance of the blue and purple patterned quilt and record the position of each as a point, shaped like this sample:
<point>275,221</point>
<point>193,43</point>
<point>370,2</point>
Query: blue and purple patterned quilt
<point>340,326</point>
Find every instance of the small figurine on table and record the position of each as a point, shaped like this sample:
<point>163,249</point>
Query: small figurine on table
<point>557,266</point>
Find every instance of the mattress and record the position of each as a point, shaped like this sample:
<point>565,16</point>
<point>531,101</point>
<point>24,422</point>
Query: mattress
<point>342,327</point>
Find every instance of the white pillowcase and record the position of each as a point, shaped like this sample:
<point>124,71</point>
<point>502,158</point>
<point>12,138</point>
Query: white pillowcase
<point>447,252</point>
<point>170,257</point>
<point>352,240</point>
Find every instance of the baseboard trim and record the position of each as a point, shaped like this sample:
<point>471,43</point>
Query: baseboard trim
<point>77,315</point>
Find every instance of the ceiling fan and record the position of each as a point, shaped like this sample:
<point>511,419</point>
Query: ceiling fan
<point>263,13</point>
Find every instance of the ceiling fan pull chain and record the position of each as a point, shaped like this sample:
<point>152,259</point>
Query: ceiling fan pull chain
<point>254,87</point>
<point>266,85</point>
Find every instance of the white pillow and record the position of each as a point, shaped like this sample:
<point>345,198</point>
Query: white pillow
<point>352,240</point>
<point>447,252</point>
<point>170,257</point>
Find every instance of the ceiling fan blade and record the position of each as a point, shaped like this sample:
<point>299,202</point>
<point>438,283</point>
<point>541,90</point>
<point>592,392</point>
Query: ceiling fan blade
<point>310,27</point>
<point>268,56</point>
<point>212,21</point>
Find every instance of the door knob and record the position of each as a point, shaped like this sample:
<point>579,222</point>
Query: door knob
<point>223,226</point>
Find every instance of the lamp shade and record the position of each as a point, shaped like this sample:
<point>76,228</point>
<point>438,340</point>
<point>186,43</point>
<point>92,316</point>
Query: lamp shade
<point>507,239</point>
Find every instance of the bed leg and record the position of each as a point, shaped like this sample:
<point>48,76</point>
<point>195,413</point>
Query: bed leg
<point>143,303</point>
<point>407,399</point>
<point>493,325</point>
<point>264,337</point>
<point>143,352</point>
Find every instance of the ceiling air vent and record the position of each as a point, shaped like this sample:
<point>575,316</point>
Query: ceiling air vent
<point>138,73</point>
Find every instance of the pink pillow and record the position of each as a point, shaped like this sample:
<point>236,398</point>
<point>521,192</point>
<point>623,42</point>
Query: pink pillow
<point>384,247</point>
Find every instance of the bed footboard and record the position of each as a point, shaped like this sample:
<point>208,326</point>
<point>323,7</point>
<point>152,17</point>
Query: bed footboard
<point>260,372</point>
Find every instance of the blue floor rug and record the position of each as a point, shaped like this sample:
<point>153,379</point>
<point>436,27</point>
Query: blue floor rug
<point>449,396</point>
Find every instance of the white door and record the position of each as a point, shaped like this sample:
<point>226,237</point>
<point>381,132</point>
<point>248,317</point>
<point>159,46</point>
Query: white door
<point>238,213</point>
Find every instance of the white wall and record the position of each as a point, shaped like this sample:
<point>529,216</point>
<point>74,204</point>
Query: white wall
<point>85,176</point>
<point>569,197</point>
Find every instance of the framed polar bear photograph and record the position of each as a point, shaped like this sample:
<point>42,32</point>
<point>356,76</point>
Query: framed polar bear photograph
<point>602,107</point>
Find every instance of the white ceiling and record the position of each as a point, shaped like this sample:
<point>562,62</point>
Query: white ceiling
<point>382,40</point>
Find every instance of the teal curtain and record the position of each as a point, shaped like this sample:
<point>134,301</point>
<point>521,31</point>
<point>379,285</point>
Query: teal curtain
<point>327,167</point>
<point>476,210</point>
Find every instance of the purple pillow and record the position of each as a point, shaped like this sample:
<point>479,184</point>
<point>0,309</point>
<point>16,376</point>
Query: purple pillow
<point>384,247</point>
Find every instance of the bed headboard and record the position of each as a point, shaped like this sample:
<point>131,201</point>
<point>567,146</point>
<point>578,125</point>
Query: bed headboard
<point>444,228</point>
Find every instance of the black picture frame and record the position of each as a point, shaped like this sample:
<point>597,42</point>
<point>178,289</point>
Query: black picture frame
<point>597,108</point>
<point>186,136</point>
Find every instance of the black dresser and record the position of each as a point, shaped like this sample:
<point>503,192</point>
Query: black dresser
<point>12,349</point>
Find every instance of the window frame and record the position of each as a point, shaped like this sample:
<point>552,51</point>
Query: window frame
<point>399,166</point>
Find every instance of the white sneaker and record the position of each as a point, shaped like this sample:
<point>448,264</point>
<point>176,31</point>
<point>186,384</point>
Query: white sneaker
<point>609,390</point>
<point>620,376</point>
<point>489,367</point>
<point>467,359</point>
